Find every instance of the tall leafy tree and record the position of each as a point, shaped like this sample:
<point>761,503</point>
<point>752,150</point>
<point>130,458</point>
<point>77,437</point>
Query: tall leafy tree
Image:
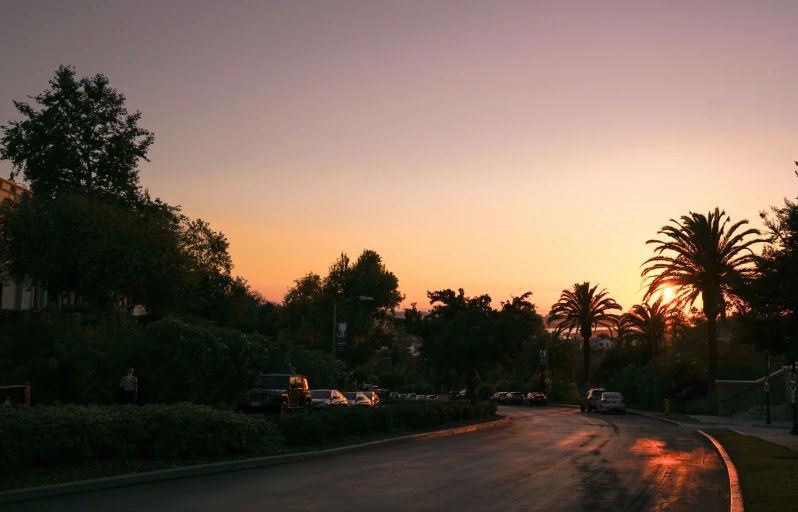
<point>98,249</point>
<point>306,313</point>
<point>648,325</point>
<point>771,321</point>
<point>518,323</point>
<point>307,307</point>
<point>458,335</point>
<point>622,331</point>
<point>81,139</point>
<point>703,256</point>
<point>584,309</point>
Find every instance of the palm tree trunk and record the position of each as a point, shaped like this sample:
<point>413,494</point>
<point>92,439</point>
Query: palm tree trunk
<point>586,360</point>
<point>712,341</point>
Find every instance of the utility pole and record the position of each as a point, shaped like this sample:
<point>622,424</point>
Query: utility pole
<point>792,397</point>
<point>767,387</point>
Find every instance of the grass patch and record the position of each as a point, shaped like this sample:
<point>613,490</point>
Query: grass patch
<point>681,418</point>
<point>767,471</point>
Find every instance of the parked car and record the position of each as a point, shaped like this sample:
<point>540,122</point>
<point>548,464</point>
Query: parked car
<point>277,392</point>
<point>463,394</point>
<point>421,397</point>
<point>410,396</point>
<point>358,399</point>
<point>590,401</point>
<point>497,397</point>
<point>611,402</point>
<point>373,396</point>
<point>432,397</point>
<point>513,398</point>
<point>535,398</point>
<point>327,398</point>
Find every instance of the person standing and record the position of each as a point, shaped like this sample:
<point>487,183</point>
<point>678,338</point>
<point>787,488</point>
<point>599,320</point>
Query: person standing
<point>129,386</point>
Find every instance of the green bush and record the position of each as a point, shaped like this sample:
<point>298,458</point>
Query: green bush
<point>75,358</point>
<point>177,362</point>
<point>70,358</point>
<point>34,437</point>
<point>485,391</point>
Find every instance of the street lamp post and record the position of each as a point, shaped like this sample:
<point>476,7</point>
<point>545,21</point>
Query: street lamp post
<point>794,430</point>
<point>767,387</point>
<point>335,311</point>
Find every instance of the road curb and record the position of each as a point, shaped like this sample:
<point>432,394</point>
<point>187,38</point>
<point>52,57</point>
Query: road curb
<point>48,491</point>
<point>735,492</point>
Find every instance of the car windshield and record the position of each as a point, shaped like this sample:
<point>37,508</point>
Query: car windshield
<point>320,393</point>
<point>272,381</point>
<point>615,396</point>
<point>351,395</point>
<point>596,393</point>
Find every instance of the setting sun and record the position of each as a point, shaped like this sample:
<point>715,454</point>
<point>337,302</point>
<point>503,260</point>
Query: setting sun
<point>668,293</point>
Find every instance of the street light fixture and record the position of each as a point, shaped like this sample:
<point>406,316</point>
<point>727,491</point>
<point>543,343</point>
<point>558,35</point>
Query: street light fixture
<point>335,311</point>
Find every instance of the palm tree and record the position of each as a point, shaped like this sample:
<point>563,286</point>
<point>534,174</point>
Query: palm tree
<point>648,325</point>
<point>702,255</point>
<point>622,331</point>
<point>584,309</point>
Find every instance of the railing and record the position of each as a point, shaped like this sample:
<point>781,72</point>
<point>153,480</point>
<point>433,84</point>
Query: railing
<point>745,399</point>
<point>752,395</point>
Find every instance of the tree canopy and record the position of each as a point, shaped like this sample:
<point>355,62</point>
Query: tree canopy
<point>771,319</point>
<point>702,256</point>
<point>81,140</point>
<point>584,309</point>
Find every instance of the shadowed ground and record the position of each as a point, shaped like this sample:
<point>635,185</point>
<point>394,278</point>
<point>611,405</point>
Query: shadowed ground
<point>547,459</point>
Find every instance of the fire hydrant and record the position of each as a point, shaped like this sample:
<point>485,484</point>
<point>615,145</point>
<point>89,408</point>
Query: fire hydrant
<point>667,406</point>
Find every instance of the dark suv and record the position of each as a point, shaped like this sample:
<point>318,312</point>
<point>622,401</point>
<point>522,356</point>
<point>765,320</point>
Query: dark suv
<point>277,392</point>
<point>590,402</point>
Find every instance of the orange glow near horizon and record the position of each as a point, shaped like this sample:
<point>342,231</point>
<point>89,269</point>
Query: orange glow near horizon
<point>500,150</point>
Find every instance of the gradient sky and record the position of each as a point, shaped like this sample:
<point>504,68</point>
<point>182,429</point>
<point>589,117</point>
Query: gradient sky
<point>499,147</point>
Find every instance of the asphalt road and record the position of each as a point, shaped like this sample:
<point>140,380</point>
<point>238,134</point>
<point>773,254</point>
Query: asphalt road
<point>548,458</point>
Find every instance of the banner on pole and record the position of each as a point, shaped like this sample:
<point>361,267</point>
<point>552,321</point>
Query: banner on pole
<point>341,334</point>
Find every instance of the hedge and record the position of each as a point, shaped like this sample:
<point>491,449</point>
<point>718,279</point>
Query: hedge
<point>80,359</point>
<point>321,427</point>
<point>41,436</point>
<point>35,437</point>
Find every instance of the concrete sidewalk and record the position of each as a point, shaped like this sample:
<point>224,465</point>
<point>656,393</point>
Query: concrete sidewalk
<point>778,432</point>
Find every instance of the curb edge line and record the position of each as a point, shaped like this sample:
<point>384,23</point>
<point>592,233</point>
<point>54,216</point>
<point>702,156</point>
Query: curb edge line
<point>735,492</point>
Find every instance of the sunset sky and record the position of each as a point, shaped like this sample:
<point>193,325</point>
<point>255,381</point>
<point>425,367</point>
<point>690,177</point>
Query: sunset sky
<point>499,147</point>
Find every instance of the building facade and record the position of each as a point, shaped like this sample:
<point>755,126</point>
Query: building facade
<point>24,295</point>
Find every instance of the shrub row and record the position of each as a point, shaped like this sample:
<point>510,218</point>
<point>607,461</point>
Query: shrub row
<point>72,358</point>
<point>325,426</point>
<point>34,437</point>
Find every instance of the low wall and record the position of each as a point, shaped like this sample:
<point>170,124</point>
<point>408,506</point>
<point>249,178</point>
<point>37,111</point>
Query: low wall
<point>735,396</point>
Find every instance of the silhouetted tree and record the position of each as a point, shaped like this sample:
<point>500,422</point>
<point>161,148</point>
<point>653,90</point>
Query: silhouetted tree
<point>648,325</point>
<point>459,334</point>
<point>82,140</point>
<point>584,309</point>
<point>771,320</point>
<point>702,256</point>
